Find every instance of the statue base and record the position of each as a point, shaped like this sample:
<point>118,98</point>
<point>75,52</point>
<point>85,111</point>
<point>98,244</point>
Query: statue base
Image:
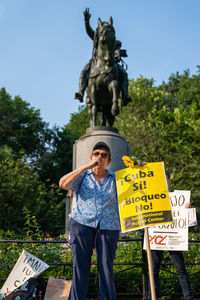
<point>105,128</point>
<point>82,148</point>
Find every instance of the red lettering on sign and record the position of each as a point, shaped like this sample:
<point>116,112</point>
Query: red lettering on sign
<point>157,239</point>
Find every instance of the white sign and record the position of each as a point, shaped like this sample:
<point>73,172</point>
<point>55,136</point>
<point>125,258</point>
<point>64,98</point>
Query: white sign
<point>172,236</point>
<point>26,267</point>
<point>192,216</point>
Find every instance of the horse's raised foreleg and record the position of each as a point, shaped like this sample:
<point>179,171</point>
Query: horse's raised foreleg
<point>114,86</point>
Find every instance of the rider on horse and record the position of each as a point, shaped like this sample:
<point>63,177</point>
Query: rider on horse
<point>83,82</point>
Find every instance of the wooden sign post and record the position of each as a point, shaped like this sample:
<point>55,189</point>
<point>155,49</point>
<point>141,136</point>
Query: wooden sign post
<point>151,277</point>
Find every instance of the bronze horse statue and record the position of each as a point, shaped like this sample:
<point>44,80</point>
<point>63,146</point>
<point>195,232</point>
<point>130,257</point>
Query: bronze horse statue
<point>103,83</point>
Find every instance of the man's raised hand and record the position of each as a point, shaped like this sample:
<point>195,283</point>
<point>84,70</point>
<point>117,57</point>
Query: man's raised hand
<point>87,14</point>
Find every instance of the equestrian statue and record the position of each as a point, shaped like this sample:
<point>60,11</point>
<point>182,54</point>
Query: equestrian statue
<point>105,76</point>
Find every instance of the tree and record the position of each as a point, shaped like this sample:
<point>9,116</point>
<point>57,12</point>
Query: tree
<point>20,187</point>
<point>58,160</point>
<point>32,159</point>
<point>21,126</point>
<point>162,124</point>
<point>49,151</point>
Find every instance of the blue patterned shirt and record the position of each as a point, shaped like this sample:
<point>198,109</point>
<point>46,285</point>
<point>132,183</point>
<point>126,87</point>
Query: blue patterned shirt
<point>96,203</point>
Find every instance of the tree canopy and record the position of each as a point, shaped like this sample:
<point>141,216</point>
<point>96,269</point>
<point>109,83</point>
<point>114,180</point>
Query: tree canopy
<point>163,124</point>
<point>21,126</point>
<point>32,159</point>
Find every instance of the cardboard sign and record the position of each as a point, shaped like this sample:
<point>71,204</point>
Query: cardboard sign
<point>57,288</point>
<point>173,236</point>
<point>143,197</point>
<point>27,266</point>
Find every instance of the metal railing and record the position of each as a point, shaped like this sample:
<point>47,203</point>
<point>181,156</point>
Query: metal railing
<point>131,277</point>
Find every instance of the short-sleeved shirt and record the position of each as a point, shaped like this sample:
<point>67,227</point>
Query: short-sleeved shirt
<point>96,203</point>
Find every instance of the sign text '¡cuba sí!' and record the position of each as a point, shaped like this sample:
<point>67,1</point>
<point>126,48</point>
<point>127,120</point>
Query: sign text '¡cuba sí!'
<point>132,177</point>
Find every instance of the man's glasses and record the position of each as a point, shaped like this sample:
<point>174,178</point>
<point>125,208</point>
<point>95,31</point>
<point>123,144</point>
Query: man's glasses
<point>102,154</point>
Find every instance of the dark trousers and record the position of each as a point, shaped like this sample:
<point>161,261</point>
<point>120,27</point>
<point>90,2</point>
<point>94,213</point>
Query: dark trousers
<point>82,241</point>
<point>178,262</point>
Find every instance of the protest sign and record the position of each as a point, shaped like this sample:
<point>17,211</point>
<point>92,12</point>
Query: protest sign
<point>192,216</point>
<point>143,196</point>
<point>27,266</point>
<point>173,236</point>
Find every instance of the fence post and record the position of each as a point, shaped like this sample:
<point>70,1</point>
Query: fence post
<point>145,277</point>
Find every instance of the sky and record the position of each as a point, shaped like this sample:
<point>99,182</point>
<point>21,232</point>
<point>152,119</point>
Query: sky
<point>44,46</point>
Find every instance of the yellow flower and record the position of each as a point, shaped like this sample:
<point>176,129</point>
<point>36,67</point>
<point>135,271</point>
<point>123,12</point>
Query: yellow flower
<point>128,161</point>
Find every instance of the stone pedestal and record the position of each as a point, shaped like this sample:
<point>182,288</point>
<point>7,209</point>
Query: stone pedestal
<point>84,145</point>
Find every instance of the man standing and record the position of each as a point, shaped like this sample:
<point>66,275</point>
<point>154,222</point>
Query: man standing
<point>178,262</point>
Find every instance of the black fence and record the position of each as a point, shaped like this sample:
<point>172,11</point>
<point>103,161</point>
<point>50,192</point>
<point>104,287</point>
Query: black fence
<point>130,269</point>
